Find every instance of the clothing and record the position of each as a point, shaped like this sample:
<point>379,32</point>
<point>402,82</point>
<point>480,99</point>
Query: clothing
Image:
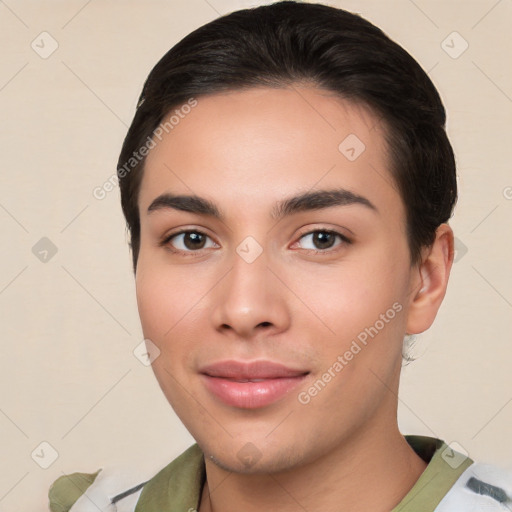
<point>451,482</point>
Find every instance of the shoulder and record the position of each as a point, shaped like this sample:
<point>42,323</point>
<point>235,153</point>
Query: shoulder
<point>118,489</point>
<point>453,482</point>
<point>481,487</point>
<point>100,491</point>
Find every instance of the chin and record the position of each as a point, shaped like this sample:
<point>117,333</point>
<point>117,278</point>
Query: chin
<point>247,458</point>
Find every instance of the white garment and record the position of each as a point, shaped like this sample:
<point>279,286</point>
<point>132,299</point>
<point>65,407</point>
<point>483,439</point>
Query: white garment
<point>109,484</point>
<point>494,492</point>
<point>480,488</point>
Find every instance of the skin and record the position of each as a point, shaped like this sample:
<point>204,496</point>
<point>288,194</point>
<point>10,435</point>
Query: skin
<point>245,151</point>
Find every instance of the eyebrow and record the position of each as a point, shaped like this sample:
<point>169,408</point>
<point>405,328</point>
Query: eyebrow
<point>317,200</point>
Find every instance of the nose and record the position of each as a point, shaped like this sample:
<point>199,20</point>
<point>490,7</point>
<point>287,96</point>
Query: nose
<point>250,299</point>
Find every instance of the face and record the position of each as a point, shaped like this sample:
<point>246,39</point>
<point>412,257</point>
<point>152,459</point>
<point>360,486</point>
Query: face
<point>279,322</point>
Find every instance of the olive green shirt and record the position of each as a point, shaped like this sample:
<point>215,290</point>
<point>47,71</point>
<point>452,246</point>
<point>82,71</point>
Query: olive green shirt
<point>178,486</point>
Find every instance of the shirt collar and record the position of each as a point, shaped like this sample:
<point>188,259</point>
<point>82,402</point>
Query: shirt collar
<point>179,485</point>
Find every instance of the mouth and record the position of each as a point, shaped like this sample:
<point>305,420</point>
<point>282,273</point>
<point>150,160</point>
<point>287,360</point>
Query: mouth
<point>250,385</point>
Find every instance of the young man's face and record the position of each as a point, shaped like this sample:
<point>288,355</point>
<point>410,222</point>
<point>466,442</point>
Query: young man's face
<point>249,287</point>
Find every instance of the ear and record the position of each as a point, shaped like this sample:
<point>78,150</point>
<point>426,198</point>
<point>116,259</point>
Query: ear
<point>429,280</point>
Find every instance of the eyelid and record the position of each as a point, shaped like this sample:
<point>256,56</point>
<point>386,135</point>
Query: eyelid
<point>337,231</point>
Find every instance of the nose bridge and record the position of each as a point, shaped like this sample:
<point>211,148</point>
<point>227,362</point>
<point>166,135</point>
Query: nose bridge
<point>249,295</point>
<point>248,280</point>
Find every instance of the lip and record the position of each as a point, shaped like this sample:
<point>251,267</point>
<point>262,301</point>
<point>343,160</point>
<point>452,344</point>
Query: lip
<point>250,385</point>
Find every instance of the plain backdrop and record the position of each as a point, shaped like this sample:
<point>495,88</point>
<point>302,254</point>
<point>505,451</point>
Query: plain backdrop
<point>73,396</point>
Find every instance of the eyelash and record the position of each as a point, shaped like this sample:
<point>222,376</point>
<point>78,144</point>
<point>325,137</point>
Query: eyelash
<point>190,253</point>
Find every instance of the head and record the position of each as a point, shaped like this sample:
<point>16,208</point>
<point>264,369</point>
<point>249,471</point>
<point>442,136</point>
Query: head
<point>291,128</point>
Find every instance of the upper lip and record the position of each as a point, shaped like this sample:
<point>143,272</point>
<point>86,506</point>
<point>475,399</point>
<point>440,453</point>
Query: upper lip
<point>260,369</point>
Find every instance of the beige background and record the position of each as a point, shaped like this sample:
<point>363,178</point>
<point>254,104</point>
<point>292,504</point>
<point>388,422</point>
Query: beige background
<point>69,325</point>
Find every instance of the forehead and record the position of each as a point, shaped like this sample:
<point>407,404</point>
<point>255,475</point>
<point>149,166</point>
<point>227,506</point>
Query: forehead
<point>252,146</point>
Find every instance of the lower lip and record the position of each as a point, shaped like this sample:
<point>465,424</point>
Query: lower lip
<point>251,395</point>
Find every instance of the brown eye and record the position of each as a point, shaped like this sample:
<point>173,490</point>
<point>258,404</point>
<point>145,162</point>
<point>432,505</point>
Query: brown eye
<point>188,241</point>
<point>194,240</point>
<point>323,239</point>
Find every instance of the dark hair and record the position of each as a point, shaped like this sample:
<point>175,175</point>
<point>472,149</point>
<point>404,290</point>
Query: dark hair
<point>290,42</point>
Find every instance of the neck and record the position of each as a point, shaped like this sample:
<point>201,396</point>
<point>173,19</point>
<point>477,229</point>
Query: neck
<point>373,469</point>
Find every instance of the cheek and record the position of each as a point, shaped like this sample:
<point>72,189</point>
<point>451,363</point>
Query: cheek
<point>363,306</point>
<point>347,299</point>
<point>154,300</point>
<point>164,311</point>
<point>166,299</point>
<point>171,304</point>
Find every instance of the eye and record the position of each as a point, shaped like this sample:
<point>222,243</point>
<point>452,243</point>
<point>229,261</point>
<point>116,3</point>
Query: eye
<point>323,239</point>
<point>188,241</point>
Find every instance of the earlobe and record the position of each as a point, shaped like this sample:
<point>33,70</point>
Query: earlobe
<point>430,282</point>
